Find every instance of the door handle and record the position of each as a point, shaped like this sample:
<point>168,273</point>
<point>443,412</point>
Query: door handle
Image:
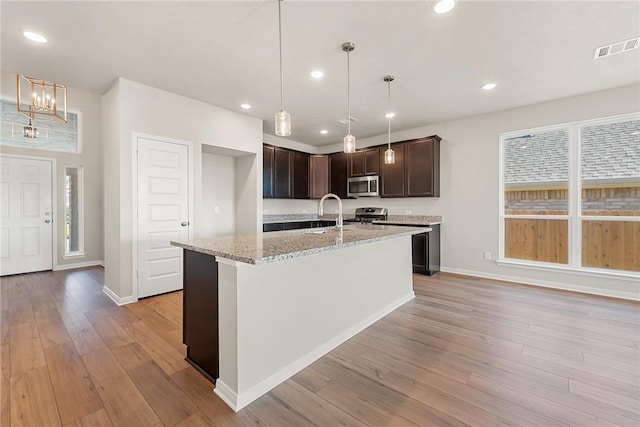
<point>47,220</point>
<point>184,223</point>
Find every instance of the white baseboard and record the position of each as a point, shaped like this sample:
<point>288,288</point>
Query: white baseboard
<point>115,298</point>
<point>227,394</point>
<point>78,265</point>
<point>238,401</point>
<point>547,284</point>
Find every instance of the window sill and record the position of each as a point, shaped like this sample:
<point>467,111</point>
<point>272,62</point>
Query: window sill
<point>74,255</point>
<point>593,272</point>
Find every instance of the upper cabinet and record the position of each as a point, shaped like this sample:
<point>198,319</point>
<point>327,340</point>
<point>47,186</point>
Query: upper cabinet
<point>300,175</point>
<point>338,168</point>
<point>416,171</point>
<point>364,162</point>
<point>293,174</point>
<point>319,181</point>
<point>282,169</point>
<point>267,171</point>
<point>392,182</point>
<point>422,167</point>
<point>285,173</point>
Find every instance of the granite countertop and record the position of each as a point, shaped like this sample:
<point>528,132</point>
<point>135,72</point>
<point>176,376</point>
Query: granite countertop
<point>409,220</point>
<point>262,248</point>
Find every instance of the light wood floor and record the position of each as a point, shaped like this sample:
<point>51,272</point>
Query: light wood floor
<point>464,352</point>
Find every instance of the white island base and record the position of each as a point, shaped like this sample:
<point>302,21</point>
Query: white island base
<point>277,318</point>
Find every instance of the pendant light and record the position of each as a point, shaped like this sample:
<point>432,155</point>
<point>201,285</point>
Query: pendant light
<point>389,155</point>
<point>30,131</point>
<point>349,140</point>
<point>41,100</point>
<point>283,119</point>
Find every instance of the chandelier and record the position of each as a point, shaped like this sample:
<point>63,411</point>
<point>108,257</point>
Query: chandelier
<point>41,100</point>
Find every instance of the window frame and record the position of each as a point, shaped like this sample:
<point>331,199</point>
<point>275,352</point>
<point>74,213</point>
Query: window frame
<point>80,253</point>
<point>574,215</point>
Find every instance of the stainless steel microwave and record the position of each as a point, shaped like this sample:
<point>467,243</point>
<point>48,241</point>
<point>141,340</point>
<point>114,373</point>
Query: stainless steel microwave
<point>363,186</point>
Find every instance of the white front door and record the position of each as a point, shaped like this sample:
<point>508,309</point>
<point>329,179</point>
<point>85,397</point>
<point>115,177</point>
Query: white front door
<point>163,214</point>
<point>26,216</point>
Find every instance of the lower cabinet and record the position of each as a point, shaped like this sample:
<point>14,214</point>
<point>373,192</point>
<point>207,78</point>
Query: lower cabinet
<point>425,251</point>
<point>200,312</point>
<point>296,225</point>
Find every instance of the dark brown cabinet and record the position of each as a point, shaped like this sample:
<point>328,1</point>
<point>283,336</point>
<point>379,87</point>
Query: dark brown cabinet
<point>285,173</point>
<point>416,171</point>
<point>293,174</point>
<point>364,162</point>
<point>425,251</point>
<point>392,180</point>
<point>267,171</point>
<point>319,176</point>
<point>338,166</point>
<point>300,175</point>
<point>422,167</point>
<point>282,168</point>
<point>200,312</point>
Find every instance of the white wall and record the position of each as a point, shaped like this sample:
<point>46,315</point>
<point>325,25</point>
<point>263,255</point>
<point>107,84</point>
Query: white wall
<point>89,105</point>
<point>147,110</point>
<point>218,194</point>
<point>469,185</point>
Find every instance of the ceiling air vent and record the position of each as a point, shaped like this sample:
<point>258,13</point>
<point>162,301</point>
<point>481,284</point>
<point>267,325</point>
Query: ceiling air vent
<point>619,47</point>
<point>347,120</point>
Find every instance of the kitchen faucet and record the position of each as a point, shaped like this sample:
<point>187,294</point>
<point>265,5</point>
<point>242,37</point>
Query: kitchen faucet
<point>321,210</point>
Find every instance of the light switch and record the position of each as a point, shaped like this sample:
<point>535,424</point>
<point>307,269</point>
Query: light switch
<point>216,209</point>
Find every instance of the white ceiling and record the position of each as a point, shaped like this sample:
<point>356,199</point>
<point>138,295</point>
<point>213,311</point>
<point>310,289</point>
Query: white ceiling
<point>226,53</point>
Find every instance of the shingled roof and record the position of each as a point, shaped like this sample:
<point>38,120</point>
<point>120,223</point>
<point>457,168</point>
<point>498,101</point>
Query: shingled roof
<point>609,152</point>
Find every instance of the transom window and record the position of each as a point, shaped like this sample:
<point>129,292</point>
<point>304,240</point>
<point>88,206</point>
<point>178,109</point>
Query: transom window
<point>571,195</point>
<point>54,136</point>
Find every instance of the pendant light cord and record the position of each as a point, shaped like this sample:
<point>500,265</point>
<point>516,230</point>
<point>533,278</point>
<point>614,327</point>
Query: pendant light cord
<point>389,87</point>
<point>348,97</point>
<point>280,47</point>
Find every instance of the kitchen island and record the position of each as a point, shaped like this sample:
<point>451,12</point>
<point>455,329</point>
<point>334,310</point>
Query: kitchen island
<point>258,308</point>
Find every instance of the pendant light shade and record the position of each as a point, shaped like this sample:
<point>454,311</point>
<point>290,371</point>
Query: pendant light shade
<point>283,123</point>
<point>389,155</point>
<point>349,140</point>
<point>282,119</point>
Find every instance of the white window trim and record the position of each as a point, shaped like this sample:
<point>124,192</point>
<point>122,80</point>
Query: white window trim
<point>80,253</point>
<point>574,216</point>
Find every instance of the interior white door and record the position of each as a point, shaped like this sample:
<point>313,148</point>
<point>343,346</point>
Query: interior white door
<point>26,216</point>
<point>163,214</point>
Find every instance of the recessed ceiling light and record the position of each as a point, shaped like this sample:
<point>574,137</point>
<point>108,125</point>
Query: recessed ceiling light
<point>33,36</point>
<point>245,106</point>
<point>489,86</point>
<point>444,6</point>
<point>317,74</point>
<point>324,131</point>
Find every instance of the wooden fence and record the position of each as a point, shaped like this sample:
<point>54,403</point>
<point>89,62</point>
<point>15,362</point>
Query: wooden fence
<point>605,244</point>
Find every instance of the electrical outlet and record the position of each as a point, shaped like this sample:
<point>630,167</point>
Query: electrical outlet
<point>304,211</point>
<point>216,209</point>
<point>407,211</point>
<point>487,255</point>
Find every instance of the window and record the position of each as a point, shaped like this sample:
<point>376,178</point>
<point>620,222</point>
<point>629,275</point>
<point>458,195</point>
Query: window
<point>73,212</point>
<point>55,136</point>
<point>571,196</point>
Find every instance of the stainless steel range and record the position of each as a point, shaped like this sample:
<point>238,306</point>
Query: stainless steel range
<point>364,215</point>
